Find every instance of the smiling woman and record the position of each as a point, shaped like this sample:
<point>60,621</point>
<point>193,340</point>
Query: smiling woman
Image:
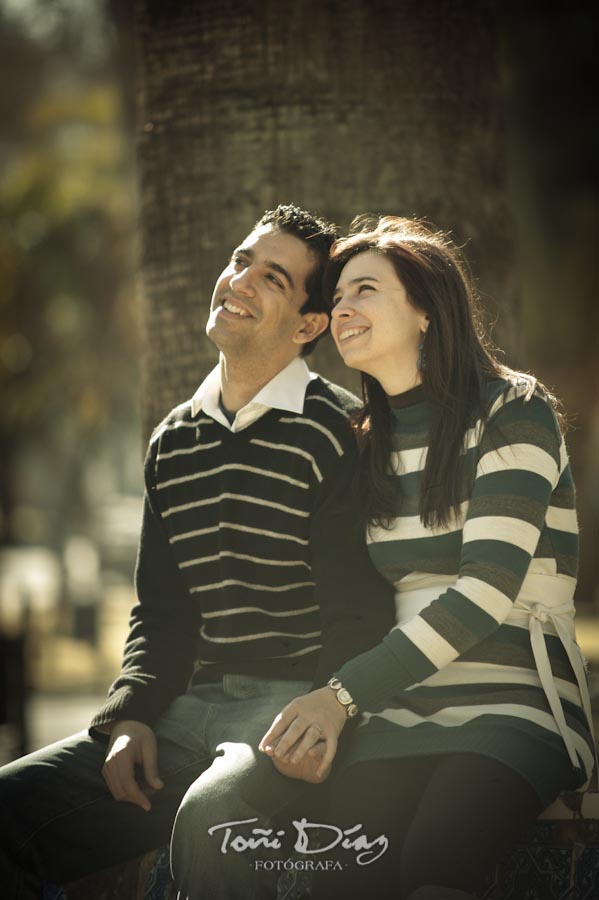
<point>477,699</point>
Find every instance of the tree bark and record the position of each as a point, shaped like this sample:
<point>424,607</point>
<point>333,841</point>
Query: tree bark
<point>343,107</point>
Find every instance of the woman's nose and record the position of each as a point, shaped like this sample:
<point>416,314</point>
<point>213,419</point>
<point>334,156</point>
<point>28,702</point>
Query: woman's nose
<point>341,309</point>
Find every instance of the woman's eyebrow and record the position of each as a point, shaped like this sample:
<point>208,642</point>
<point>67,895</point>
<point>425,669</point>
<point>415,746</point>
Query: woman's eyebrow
<point>358,280</point>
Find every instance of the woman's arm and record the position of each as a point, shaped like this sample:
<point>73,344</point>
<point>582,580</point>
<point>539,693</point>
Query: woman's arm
<point>521,458</point>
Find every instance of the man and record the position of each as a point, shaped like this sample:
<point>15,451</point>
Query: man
<point>253,585</point>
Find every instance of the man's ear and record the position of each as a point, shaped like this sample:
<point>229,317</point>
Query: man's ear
<point>313,324</point>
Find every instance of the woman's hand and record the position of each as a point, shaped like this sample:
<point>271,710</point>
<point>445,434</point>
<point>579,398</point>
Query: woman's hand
<point>317,716</point>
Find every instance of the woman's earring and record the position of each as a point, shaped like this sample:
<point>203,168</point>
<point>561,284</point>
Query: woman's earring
<point>421,361</point>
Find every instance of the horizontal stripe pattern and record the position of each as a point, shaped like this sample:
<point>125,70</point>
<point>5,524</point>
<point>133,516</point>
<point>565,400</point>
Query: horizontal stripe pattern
<point>236,507</point>
<point>460,659</point>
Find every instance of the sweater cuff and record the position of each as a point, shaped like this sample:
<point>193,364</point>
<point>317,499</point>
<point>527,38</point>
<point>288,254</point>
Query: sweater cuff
<point>373,677</point>
<point>122,704</point>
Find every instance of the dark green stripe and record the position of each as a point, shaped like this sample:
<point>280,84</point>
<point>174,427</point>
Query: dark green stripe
<point>515,482</point>
<point>412,659</point>
<point>476,619</point>
<point>489,553</point>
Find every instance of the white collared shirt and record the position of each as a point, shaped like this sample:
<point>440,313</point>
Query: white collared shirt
<point>286,391</point>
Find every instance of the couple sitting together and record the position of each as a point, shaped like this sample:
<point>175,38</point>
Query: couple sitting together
<point>357,616</point>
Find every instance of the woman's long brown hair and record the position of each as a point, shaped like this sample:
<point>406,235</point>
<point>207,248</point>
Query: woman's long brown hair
<point>459,363</point>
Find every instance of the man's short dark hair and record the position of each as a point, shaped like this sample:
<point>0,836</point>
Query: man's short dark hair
<point>319,235</point>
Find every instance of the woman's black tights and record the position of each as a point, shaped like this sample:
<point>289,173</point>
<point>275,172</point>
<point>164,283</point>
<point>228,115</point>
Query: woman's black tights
<point>447,820</point>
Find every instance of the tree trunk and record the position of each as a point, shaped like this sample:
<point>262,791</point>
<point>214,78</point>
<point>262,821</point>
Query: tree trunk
<point>342,107</point>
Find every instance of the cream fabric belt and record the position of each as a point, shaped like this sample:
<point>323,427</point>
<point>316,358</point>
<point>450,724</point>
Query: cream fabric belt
<point>409,603</point>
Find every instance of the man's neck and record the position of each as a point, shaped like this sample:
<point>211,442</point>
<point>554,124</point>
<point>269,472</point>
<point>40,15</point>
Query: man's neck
<point>241,380</point>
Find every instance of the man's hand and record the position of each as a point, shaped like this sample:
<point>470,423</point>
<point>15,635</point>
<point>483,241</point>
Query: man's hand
<point>302,724</point>
<point>131,743</point>
<point>307,768</point>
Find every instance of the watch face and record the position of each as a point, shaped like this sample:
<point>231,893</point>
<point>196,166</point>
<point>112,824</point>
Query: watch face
<point>344,696</point>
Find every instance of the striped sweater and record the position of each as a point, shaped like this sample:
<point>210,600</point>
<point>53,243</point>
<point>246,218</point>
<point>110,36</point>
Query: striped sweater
<point>250,559</point>
<point>459,671</point>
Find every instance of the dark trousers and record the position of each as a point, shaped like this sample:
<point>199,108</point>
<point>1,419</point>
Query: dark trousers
<point>447,819</point>
<point>58,821</point>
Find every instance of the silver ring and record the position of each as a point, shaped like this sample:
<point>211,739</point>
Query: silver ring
<point>315,725</point>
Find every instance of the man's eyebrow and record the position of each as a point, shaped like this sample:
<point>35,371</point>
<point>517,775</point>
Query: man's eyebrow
<point>281,270</point>
<point>271,264</point>
<point>358,280</point>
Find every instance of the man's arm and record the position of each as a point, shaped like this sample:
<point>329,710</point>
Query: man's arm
<point>160,647</point>
<point>356,603</point>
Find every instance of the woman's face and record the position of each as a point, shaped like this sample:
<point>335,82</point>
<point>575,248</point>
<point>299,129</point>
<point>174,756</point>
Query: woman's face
<point>375,327</point>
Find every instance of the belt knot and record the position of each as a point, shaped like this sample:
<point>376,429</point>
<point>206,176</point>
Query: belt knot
<point>538,611</point>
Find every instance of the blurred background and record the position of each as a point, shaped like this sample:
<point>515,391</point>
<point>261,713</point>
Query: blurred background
<point>138,145</point>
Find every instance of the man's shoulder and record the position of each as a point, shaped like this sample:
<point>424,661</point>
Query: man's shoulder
<point>322,396</point>
<point>179,417</point>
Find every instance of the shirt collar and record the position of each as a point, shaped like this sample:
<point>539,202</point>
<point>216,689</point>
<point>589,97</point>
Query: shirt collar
<point>286,391</point>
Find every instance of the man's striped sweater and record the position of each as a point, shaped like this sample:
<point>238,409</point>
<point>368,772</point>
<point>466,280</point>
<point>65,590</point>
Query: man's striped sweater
<point>458,673</point>
<point>250,557</point>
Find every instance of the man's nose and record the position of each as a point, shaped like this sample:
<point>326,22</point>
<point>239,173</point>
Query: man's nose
<point>243,282</point>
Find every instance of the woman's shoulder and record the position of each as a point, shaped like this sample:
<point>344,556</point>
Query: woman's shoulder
<point>519,386</point>
<point>518,403</point>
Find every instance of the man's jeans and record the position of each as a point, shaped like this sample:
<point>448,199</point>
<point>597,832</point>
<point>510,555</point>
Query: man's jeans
<point>59,822</point>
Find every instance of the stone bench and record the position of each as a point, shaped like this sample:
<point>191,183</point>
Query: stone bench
<point>557,859</point>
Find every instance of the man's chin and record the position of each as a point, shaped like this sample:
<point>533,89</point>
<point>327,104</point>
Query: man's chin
<point>222,337</point>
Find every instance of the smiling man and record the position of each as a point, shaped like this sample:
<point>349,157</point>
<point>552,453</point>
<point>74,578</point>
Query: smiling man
<point>253,586</point>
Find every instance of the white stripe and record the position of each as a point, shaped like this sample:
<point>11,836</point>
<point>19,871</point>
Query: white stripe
<point>244,528</point>
<point>411,527</point>
<point>562,519</point>
<point>453,717</point>
<point>161,429</point>
<point>251,609</point>
<point>485,596</point>
<point>310,649</point>
<point>428,641</point>
<point>254,559</point>
<point>514,392</point>
<point>289,449</point>
<point>243,498</point>
<point>502,528</point>
<point>522,457</point>
<point>563,456</point>
<point>189,534</point>
<point>404,462</point>
<point>228,582</point>
<point>236,467</point>
<point>460,673</point>
<point>329,403</point>
<point>304,421</point>
<point>256,637</point>
<point>187,450</point>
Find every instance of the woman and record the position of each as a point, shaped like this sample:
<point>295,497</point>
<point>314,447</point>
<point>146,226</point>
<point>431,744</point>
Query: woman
<point>474,709</point>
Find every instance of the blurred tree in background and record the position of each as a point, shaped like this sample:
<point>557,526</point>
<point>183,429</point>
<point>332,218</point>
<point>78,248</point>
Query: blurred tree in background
<point>472,114</point>
<point>68,335</point>
<point>469,113</point>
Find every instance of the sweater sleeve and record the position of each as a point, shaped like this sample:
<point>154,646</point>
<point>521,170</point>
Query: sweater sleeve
<point>518,468</point>
<point>160,648</point>
<point>356,603</point>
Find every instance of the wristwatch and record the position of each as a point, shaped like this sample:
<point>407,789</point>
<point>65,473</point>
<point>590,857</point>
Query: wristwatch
<point>344,697</point>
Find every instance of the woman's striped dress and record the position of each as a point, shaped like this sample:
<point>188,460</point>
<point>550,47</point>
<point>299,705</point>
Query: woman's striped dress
<point>483,658</point>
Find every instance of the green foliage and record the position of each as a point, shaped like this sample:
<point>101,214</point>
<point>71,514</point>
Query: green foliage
<point>68,335</point>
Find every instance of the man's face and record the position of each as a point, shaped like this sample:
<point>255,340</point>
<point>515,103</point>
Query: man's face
<point>256,303</point>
